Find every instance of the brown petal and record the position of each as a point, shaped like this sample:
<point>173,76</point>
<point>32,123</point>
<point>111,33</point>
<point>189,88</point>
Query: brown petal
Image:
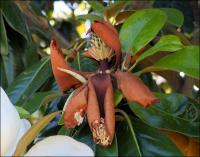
<point>103,122</point>
<point>93,113</point>
<point>76,106</point>
<point>109,35</point>
<point>109,109</point>
<point>134,89</point>
<point>65,81</point>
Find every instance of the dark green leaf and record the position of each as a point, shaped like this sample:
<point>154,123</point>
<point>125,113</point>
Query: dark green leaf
<point>140,28</point>
<point>174,16</point>
<point>15,18</point>
<point>117,97</point>
<point>134,141</point>
<point>85,63</point>
<point>22,112</point>
<point>108,151</point>
<point>3,37</point>
<point>174,112</point>
<point>168,43</point>
<point>97,6</point>
<point>151,141</point>
<point>8,66</point>
<point>65,131</point>
<point>29,81</point>
<point>38,99</point>
<point>185,60</point>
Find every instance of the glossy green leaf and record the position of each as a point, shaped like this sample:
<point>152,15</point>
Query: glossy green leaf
<point>174,16</point>
<point>85,63</point>
<point>169,43</point>
<point>140,28</point>
<point>8,66</point>
<point>32,133</point>
<point>134,141</point>
<point>15,18</point>
<point>39,99</point>
<point>151,141</point>
<point>65,131</point>
<point>108,151</point>
<point>97,6</point>
<point>185,60</point>
<point>22,112</point>
<point>3,37</point>
<point>118,96</point>
<point>29,81</point>
<point>174,112</point>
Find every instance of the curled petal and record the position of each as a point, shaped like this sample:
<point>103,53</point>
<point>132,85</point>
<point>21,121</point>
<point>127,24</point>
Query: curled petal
<point>93,113</point>
<point>109,109</point>
<point>134,89</point>
<point>76,107</point>
<point>101,110</point>
<point>65,81</point>
<point>74,74</point>
<point>109,35</point>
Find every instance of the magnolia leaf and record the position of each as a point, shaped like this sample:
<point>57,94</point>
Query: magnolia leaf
<point>140,28</point>
<point>169,43</point>
<point>15,18</point>
<point>29,81</point>
<point>3,37</point>
<point>22,112</point>
<point>39,99</point>
<point>118,96</point>
<point>32,133</point>
<point>135,145</point>
<point>97,6</point>
<point>185,60</point>
<point>151,141</point>
<point>174,16</point>
<point>175,112</point>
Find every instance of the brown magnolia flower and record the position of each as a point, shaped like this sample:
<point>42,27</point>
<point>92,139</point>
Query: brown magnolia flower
<point>94,91</point>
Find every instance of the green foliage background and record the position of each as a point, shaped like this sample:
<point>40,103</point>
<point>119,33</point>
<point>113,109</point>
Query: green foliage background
<point>26,74</point>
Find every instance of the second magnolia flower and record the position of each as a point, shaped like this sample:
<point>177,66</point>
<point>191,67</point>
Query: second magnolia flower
<point>94,91</point>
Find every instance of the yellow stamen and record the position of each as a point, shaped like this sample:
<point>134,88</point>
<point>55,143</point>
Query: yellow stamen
<point>99,49</point>
<point>100,135</point>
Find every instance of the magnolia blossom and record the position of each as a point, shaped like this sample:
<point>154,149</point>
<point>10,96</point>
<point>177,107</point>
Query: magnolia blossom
<point>12,127</point>
<point>60,145</point>
<point>94,91</point>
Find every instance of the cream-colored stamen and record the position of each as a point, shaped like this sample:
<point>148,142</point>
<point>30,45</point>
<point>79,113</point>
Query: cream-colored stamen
<point>99,49</point>
<point>78,118</point>
<point>100,135</point>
